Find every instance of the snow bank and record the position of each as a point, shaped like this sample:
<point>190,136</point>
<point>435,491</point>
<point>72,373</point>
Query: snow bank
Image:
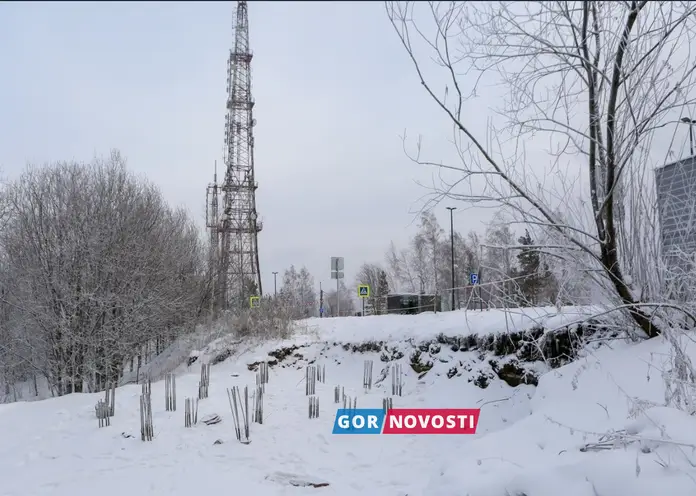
<point>428,326</point>
<point>593,431</point>
<point>595,427</point>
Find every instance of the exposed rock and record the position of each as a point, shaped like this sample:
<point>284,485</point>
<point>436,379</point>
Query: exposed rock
<point>211,419</point>
<point>282,354</point>
<point>218,441</point>
<point>513,374</point>
<point>296,480</point>
<point>519,350</point>
<point>221,357</point>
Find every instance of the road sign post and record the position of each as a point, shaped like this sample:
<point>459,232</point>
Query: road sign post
<point>337,273</point>
<point>474,280</point>
<point>363,294</point>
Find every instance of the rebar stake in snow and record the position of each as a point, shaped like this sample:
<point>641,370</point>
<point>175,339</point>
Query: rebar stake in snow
<point>240,413</point>
<point>310,380</point>
<point>204,382</point>
<point>170,392</point>
<point>110,400</point>
<point>367,374</point>
<point>146,428</point>
<point>396,378</point>
<point>263,373</point>
<point>102,411</point>
<point>338,394</point>
<point>313,407</point>
<point>259,382</point>
<point>190,412</point>
<point>147,386</point>
<point>350,403</point>
<point>387,404</point>
<point>321,373</point>
<point>258,404</point>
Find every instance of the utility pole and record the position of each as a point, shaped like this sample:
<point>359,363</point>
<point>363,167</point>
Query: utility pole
<point>690,122</point>
<point>452,209</point>
<point>321,301</point>
<point>337,264</point>
<point>275,285</point>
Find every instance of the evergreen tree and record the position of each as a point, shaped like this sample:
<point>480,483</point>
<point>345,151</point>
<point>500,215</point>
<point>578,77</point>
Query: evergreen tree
<point>381,292</point>
<point>533,277</point>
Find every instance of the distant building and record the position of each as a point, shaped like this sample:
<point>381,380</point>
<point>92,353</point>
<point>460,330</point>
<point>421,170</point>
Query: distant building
<point>676,200</point>
<point>413,303</point>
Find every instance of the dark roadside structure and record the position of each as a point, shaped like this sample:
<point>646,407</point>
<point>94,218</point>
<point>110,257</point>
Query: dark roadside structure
<point>413,303</point>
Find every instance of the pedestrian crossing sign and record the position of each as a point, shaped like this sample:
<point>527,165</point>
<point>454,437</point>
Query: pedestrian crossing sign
<point>363,291</point>
<point>254,301</point>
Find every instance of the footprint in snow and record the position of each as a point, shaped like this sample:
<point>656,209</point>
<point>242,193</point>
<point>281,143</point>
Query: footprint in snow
<point>322,438</point>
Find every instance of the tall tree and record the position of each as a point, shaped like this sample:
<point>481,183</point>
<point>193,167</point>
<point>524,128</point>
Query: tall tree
<point>370,274</point>
<point>430,239</point>
<point>400,269</point>
<point>529,280</point>
<point>347,301</point>
<point>298,293</point>
<point>382,292</point>
<point>594,89</point>
<point>499,263</point>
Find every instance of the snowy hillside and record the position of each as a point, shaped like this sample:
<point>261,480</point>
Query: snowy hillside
<point>528,440</point>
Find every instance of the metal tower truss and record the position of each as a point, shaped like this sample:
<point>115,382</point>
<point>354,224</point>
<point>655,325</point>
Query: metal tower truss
<point>212,224</point>
<point>235,233</point>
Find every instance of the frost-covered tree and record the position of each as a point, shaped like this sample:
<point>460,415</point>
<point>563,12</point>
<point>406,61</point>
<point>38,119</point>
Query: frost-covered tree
<point>499,264</point>
<point>590,94</point>
<point>376,277</point>
<point>534,280</point>
<point>298,294</point>
<point>96,267</point>
<point>347,301</point>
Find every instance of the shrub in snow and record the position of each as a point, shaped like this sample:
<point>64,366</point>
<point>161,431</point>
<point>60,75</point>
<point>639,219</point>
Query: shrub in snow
<point>418,365</point>
<point>266,322</point>
<point>680,377</point>
<point>221,357</point>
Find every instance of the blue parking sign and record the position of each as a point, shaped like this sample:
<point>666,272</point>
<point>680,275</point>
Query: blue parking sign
<point>473,278</point>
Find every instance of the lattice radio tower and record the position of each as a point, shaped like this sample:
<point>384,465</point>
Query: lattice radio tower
<point>234,234</point>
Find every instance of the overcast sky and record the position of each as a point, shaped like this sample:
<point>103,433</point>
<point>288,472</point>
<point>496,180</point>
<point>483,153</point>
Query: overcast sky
<point>334,92</point>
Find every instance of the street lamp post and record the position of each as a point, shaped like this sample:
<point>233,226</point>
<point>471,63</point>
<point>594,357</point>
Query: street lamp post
<point>275,285</point>
<point>452,209</point>
<point>690,122</point>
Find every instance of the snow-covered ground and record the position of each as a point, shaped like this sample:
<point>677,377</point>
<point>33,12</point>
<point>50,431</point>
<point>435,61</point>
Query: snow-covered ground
<point>527,443</point>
